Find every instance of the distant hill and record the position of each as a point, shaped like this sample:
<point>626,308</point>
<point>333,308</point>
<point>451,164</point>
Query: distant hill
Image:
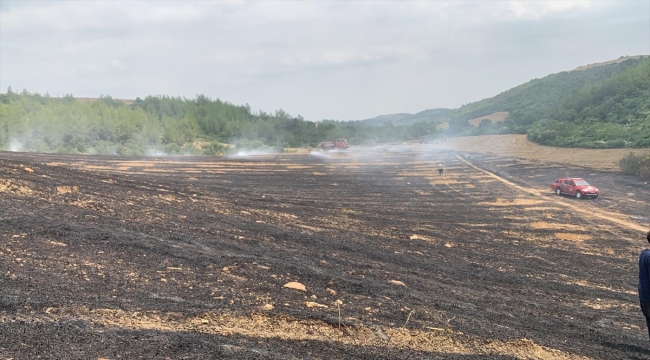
<point>432,115</point>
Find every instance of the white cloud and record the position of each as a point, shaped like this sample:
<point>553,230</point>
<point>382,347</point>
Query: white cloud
<point>117,64</point>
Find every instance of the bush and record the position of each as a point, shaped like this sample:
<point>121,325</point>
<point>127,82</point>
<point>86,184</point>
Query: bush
<point>638,165</point>
<point>215,148</point>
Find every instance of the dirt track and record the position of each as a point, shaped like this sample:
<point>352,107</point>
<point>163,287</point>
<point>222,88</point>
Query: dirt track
<point>187,258</point>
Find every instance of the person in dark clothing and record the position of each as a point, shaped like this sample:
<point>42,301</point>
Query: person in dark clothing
<point>644,283</point>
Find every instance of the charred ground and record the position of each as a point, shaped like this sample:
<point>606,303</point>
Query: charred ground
<point>187,258</point>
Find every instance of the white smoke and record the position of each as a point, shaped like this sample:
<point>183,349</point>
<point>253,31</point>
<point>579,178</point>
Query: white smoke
<point>16,145</point>
<point>320,154</point>
<point>153,152</point>
<point>251,152</point>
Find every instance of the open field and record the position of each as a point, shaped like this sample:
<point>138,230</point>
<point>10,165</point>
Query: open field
<point>187,257</point>
<point>496,117</point>
<point>519,146</point>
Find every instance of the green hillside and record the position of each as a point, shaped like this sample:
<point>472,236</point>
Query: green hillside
<point>536,99</point>
<point>612,113</point>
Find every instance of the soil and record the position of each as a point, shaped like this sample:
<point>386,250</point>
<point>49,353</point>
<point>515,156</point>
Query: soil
<point>187,258</point>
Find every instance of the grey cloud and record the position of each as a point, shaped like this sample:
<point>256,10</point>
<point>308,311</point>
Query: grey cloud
<point>340,60</point>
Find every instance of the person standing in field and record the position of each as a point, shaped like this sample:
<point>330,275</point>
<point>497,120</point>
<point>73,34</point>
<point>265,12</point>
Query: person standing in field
<point>441,169</point>
<point>644,283</point>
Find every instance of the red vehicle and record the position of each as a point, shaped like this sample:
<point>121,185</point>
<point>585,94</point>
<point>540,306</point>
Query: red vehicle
<point>577,187</point>
<point>336,144</point>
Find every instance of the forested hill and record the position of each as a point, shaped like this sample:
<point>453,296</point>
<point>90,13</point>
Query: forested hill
<point>538,98</point>
<point>612,113</point>
<point>162,124</point>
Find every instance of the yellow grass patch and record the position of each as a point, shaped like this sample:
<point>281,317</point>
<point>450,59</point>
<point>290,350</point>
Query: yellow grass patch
<point>542,208</point>
<point>516,202</point>
<point>572,236</point>
<point>7,186</point>
<point>66,189</point>
<point>554,226</point>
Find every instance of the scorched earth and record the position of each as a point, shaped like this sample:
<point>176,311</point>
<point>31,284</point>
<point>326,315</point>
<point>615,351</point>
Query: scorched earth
<point>188,258</point>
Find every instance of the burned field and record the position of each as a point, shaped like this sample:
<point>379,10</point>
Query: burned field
<point>188,258</point>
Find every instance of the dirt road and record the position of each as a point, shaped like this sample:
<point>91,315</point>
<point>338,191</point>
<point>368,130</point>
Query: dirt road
<point>187,258</point>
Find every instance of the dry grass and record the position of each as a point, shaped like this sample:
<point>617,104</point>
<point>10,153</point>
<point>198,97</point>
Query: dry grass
<point>572,237</point>
<point>66,189</point>
<point>515,202</point>
<point>286,328</point>
<point>496,117</point>
<point>518,146</point>
<point>553,226</point>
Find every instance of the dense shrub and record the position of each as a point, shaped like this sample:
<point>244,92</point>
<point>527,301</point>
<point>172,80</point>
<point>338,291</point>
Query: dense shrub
<point>638,165</point>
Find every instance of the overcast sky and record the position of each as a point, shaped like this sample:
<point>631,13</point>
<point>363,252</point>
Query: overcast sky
<point>334,60</point>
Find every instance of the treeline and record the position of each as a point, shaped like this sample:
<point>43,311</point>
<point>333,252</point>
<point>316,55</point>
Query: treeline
<point>170,125</point>
<point>601,107</point>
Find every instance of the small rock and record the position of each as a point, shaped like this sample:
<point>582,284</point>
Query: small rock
<point>367,309</point>
<point>331,292</point>
<point>267,307</point>
<point>295,285</point>
<point>29,170</point>
<point>205,321</point>
<point>314,296</point>
<point>163,280</point>
<point>311,304</point>
<point>396,282</point>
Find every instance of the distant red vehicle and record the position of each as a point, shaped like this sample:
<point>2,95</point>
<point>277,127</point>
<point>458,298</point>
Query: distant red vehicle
<point>336,144</point>
<point>577,187</point>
